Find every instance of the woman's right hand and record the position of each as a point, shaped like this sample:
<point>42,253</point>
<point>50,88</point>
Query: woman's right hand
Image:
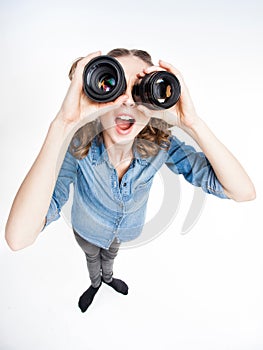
<point>77,108</point>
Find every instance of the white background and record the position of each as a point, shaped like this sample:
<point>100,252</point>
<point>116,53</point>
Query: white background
<point>202,290</point>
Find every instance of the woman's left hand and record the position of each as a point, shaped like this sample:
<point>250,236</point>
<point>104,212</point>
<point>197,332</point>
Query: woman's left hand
<point>183,113</point>
<point>230,173</point>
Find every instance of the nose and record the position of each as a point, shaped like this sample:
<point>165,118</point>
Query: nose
<point>129,102</point>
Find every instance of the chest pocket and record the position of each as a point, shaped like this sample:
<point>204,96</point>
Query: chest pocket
<point>141,191</point>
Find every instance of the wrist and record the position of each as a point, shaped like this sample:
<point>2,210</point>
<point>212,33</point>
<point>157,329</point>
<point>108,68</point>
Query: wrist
<point>60,131</point>
<point>194,127</point>
<point>64,124</point>
<point>196,124</point>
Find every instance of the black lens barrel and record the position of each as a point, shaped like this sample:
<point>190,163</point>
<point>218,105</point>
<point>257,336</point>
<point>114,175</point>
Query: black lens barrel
<point>99,69</point>
<point>104,81</point>
<point>158,90</point>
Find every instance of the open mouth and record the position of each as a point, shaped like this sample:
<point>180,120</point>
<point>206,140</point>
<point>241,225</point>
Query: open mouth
<point>124,123</point>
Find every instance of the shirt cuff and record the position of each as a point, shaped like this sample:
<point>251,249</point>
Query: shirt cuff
<point>217,190</point>
<point>52,214</point>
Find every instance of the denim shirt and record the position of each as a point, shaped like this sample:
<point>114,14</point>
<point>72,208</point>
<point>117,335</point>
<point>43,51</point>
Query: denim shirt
<point>104,208</point>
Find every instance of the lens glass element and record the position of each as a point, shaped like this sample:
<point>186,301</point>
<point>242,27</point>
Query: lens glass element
<point>162,90</point>
<point>107,83</point>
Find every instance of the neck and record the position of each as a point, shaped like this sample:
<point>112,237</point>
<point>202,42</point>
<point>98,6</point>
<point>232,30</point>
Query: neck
<point>118,152</point>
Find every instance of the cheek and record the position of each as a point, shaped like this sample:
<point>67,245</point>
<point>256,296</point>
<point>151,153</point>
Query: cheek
<point>106,121</point>
<point>142,121</point>
<point>140,125</point>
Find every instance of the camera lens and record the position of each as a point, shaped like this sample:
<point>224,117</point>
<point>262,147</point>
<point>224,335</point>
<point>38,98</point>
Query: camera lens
<point>107,82</point>
<point>159,90</point>
<point>103,79</point>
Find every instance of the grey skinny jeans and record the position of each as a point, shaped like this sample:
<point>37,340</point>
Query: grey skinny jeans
<point>99,261</point>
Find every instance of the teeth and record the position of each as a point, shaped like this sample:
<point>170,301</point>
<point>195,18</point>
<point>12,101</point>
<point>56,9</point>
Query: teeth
<point>125,117</point>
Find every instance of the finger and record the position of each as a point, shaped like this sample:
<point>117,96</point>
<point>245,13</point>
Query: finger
<point>120,100</point>
<point>82,63</point>
<point>106,107</point>
<point>169,67</point>
<point>152,69</point>
<point>76,74</point>
<point>98,110</point>
<point>163,114</point>
<point>140,75</point>
<point>165,64</point>
<point>142,108</point>
<point>146,111</point>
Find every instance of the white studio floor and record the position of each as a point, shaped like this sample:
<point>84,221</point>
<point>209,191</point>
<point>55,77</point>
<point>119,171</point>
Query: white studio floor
<point>198,291</point>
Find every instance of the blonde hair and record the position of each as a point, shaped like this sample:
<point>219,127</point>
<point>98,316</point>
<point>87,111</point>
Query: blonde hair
<point>152,137</point>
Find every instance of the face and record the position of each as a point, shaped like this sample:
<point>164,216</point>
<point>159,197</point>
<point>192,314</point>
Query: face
<point>125,122</point>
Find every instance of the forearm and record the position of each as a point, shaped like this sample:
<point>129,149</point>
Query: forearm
<point>30,206</point>
<point>235,181</point>
<point>232,176</point>
<point>27,215</point>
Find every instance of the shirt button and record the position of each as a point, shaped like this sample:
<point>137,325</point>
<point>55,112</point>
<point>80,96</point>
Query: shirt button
<point>124,184</point>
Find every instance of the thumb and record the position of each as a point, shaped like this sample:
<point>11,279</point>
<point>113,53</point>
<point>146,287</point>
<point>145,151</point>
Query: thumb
<point>109,106</point>
<point>121,99</point>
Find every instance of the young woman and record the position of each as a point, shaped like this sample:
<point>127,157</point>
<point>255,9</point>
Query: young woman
<point>111,152</point>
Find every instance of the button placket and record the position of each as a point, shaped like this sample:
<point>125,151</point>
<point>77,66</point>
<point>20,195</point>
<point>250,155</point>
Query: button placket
<point>125,185</point>
<point>115,185</point>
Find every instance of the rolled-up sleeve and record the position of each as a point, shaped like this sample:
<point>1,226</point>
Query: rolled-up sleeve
<point>67,175</point>
<point>194,166</point>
